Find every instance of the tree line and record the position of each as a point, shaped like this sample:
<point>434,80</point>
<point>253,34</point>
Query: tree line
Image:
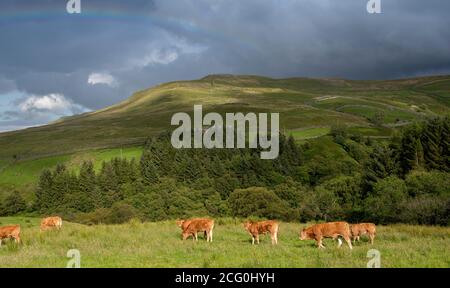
<point>403,179</point>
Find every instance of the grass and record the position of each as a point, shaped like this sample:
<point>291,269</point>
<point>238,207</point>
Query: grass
<point>390,116</point>
<point>310,133</point>
<point>28,171</point>
<point>23,175</point>
<point>158,245</point>
<point>371,131</point>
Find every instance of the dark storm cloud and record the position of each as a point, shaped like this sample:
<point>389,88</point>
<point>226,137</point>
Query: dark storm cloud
<point>137,44</point>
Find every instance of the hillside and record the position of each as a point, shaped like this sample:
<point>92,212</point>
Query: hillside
<point>307,106</point>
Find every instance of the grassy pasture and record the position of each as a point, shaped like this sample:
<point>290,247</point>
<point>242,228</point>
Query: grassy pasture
<point>24,172</point>
<point>138,244</point>
<point>310,133</point>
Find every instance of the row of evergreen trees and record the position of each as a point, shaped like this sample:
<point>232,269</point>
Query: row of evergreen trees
<point>421,146</point>
<point>404,179</point>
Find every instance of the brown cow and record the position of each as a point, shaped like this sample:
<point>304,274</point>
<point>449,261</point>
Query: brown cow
<point>50,223</point>
<point>10,232</point>
<point>361,229</point>
<point>328,230</point>
<point>264,227</point>
<point>199,225</point>
<point>184,223</point>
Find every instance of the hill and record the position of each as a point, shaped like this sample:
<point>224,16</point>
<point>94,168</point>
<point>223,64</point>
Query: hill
<point>308,108</point>
<point>303,104</point>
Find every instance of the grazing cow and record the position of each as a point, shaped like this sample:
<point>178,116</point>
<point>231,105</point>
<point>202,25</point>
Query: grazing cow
<point>50,223</point>
<point>199,225</point>
<point>328,230</point>
<point>264,227</point>
<point>10,232</point>
<point>361,229</point>
<point>184,223</point>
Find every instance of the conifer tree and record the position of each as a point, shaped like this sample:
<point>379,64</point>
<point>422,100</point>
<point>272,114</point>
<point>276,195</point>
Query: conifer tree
<point>445,143</point>
<point>431,145</point>
<point>149,171</point>
<point>90,197</point>
<point>379,166</point>
<point>13,204</point>
<point>44,191</point>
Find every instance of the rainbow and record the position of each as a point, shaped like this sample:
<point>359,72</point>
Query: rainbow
<point>36,11</point>
<point>49,11</point>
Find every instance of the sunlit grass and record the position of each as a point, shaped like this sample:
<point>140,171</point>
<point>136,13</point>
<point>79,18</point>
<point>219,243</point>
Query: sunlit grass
<point>159,245</point>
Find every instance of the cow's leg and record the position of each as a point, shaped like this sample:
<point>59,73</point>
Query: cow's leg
<point>211,235</point>
<point>319,243</point>
<point>339,242</point>
<point>276,237</point>
<point>372,237</point>
<point>253,240</point>
<point>257,239</point>
<point>349,242</point>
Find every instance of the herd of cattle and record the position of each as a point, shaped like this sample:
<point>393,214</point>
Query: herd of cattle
<point>13,231</point>
<point>191,228</point>
<point>335,230</point>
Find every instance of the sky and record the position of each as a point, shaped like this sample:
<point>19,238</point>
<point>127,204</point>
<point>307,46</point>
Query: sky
<point>55,64</point>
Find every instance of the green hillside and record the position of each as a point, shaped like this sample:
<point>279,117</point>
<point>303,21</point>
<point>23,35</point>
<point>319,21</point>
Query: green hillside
<point>303,104</point>
<point>23,175</point>
<point>308,108</point>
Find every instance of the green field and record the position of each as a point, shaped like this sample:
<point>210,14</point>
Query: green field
<point>310,133</point>
<point>27,171</point>
<point>371,131</point>
<point>159,245</point>
<point>23,175</point>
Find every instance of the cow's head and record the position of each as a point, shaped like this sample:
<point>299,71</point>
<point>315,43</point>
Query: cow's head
<point>304,235</point>
<point>180,222</point>
<point>185,235</point>
<point>247,224</point>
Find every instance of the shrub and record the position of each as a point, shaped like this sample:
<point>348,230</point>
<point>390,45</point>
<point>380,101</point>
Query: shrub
<point>383,205</point>
<point>119,213</point>
<point>426,210</point>
<point>13,204</point>
<point>259,202</point>
<point>319,205</point>
<point>421,182</point>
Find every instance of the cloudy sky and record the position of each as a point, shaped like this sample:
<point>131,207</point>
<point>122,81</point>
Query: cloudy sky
<point>54,64</point>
